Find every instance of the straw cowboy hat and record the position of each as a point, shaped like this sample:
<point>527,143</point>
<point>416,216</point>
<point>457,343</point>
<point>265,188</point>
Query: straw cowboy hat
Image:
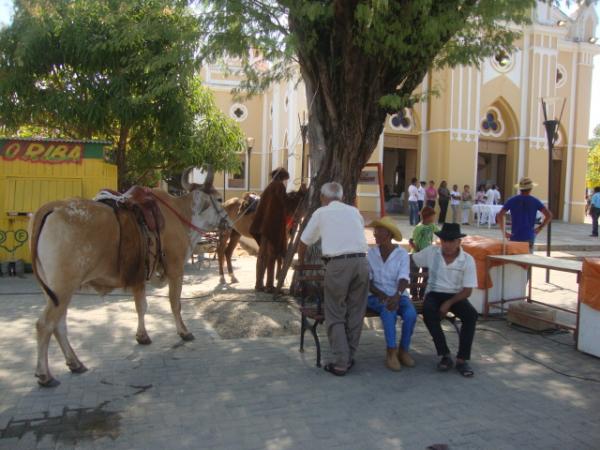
<point>449,232</point>
<point>525,184</point>
<point>388,223</point>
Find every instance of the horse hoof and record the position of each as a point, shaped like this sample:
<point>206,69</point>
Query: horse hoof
<point>259,288</point>
<point>187,336</point>
<point>79,369</point>
<point>222,280</point>
<point>47,382</point>
<point>234,280</point>
<point>143,340</point>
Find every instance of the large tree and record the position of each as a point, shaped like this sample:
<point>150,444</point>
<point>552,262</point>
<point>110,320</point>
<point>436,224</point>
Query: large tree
<point>359,59</point>
<point>124,70</point>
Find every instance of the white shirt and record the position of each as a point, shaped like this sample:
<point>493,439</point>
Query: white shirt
<point>421,194</point>
<point>492,196</point>
<point>340,227</point>
<point>454,198</point>
<point>386,275</point>
<point>448,278</point>
<point>412,193</point>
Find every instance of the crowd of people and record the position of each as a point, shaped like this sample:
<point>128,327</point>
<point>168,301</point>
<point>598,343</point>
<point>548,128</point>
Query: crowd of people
<point>420,193</point>
<point>357,277</point>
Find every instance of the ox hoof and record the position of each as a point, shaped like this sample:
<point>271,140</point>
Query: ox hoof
<point>187,336</point>
<point>143,340</point>
<point>79,369</point>
<point>47,382</point>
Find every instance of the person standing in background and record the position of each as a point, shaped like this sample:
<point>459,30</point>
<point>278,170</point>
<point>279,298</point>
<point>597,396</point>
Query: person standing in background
<point>443,199</point>
<point>466,202</point>
<point>523,210</point>
<point>595,210</point>
<point>455,203</point>
<point>431,195</point>
<point>413,203</point>
<point>421,195</point>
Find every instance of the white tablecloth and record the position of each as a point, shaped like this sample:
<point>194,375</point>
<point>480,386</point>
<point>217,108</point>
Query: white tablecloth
<point>486,214</point>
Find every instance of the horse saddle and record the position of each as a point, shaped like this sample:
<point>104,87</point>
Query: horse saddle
<point>249,203</point>
<point>139,199</point>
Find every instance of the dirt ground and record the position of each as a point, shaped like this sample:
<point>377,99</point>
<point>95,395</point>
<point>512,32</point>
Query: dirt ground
<point>235,310</point>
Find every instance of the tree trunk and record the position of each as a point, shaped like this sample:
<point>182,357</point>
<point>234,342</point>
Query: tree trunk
<point>121,159</point>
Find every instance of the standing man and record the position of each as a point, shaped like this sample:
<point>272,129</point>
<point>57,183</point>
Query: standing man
<point>421,195</point>
<point>523,210</point>
<point>341,230</point>
<point>413,202</point>
<point>452,276</point>
<point>595,210</point>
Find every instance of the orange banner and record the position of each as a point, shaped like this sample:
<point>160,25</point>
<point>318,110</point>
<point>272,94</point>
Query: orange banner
<point>590,282</point>
<point>480,247</point>
<point>44,152</point>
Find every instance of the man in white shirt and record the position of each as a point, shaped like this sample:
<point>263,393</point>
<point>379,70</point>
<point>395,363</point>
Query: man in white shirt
<point>413,202</point>
<point>421,195</point>
<point>452,275</point>
<point>389,273</point>
<point>341,230</point>
<point>492,195</point>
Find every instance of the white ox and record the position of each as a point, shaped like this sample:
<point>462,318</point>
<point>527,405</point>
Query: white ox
<point>76,243</point>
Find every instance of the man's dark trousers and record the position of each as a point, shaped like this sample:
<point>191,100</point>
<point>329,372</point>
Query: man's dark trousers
<point>463,310</point>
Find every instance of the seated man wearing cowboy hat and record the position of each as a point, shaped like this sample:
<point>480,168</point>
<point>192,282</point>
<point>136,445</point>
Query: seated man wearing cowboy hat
<point>452,276</point>
<point>523,211</point>
<point>389,268</point>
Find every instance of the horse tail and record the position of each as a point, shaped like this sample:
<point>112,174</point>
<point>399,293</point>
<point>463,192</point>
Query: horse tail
<point>36,225</point>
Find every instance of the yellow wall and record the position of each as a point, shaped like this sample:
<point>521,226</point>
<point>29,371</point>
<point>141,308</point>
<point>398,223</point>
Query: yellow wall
<point>25,186</point>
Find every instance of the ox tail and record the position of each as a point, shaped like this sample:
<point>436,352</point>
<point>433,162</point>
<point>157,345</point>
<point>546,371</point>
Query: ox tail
<point>38,221</point>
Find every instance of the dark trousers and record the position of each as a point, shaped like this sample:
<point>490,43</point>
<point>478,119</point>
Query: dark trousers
<point>463,310</point>
<point>443,210</point>
<point>595,213</point>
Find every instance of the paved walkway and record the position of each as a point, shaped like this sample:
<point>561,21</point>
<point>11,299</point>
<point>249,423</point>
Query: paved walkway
<point>530,391</point>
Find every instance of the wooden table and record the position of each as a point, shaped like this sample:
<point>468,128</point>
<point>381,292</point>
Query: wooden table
<point>545,262</point>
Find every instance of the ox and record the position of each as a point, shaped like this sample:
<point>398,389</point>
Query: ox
<point>79,243</point>
<point>242,212</point>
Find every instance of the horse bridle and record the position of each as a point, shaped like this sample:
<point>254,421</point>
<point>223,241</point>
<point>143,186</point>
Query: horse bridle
<point>224,222</point>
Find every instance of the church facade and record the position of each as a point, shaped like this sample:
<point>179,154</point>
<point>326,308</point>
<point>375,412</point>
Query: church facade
<point>485,126</point>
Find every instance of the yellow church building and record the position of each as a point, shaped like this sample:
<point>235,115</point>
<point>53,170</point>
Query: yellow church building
<point>484,127</point>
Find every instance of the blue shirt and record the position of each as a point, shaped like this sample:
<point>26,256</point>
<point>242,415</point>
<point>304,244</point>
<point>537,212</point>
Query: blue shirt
<point>523,210</point>
<point>595,201</point>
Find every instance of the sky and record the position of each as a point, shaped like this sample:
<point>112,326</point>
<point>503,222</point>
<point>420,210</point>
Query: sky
<point>6,11</point>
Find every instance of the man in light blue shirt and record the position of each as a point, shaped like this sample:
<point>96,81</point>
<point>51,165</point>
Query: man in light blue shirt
<point>595,210</point>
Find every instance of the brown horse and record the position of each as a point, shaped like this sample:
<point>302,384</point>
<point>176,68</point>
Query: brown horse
<point>242,212</point>
<point>242,215</point>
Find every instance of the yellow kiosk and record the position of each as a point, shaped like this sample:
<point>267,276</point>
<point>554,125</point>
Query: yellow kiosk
<point>34,171</point>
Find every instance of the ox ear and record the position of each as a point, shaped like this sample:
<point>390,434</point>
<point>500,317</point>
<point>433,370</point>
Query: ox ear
<point>185,179</point>
<point>208,179</point>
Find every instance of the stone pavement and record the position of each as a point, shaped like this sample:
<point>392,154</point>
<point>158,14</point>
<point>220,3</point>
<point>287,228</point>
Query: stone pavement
<point>530,391</point>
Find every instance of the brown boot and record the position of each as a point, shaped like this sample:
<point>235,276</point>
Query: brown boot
<point>405,358</point>
<point>391,361</point>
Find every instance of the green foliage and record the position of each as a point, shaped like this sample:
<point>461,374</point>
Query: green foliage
<point>122,70</point>
<point>400,39</point>
<point>593,163</point>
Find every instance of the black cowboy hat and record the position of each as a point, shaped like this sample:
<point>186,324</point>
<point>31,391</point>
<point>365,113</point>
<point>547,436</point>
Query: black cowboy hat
<point>449,232</point>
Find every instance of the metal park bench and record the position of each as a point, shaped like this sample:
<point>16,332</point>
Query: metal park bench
<point>310,296</point>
